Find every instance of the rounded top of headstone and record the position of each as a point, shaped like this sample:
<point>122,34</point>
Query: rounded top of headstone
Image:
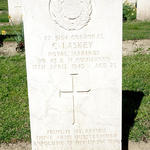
<point>71,14</point>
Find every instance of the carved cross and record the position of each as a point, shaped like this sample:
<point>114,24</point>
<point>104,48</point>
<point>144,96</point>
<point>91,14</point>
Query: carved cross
<point>73,92</point>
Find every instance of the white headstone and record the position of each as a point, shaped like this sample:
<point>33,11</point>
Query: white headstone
<point>73,56</point>
<point>143,10</point>
<point>15,10</point>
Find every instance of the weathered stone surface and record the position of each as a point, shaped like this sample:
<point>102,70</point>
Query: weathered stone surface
<point>15,10</point>
<point>130,1</point>
<point>73,54</point>
<point>143,10</point>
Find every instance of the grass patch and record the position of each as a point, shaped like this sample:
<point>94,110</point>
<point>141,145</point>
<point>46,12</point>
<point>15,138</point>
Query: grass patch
<point>136,77</point>
<point>10,30</point>
<point>3,5</point>
<point>4,17</point>
<point>136,30</point>
<point>14,125</point>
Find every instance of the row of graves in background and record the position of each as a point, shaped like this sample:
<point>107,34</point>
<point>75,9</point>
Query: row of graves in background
<point>143,9</point>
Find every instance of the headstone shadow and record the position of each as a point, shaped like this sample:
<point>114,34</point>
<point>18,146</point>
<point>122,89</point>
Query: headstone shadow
<point>131,101</point>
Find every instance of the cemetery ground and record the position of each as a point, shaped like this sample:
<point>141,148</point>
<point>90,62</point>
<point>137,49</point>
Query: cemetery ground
<point>4,16</point>
<point>3,11</point>
<point>3,5</point>
<point>14,107</point>
<point>136,30</point>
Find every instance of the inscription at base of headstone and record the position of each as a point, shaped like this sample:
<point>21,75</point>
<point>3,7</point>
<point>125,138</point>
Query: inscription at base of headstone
<point>73,57</point>
<point>15,10</point>
<point>143,10</point>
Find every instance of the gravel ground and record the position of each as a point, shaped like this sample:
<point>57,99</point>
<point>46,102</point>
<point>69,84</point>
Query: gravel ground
<point>18,146</point>
<point>8,49</point>
<point>139,146</point>
<point>4,23</point>
<point>136,46</point>
<point>27,146</point>
<point>3,11</point>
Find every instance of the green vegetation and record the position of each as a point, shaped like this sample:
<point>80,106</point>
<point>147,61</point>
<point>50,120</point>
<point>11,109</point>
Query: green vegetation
<point>14,125</point>
<point>129,11</point>
<point>14,111</point>
<point>136,77</point>
<point>4,17</point>
<point>133,30</point>
<point>3,5</point>
<point>11,30</point>
<point>136,30</point>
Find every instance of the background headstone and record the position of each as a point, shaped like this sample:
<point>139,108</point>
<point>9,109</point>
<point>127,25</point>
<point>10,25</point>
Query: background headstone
<point>143,10</point>
<point>73,57</point>
<point>15,10</point>
<point>130,1</point>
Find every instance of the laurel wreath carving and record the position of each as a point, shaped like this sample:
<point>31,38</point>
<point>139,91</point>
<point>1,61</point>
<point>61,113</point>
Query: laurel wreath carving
<point>56,11</point>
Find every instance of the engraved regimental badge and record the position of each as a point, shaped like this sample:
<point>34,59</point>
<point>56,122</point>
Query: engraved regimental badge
<point>71,14</point>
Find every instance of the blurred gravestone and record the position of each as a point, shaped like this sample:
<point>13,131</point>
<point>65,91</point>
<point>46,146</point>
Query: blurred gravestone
<point>73,57</point>
<point>130,1</point>
<point>15,10</point>
<point>143,10</point>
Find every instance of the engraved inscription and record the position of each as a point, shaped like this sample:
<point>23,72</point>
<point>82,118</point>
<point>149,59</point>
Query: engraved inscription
<point>78,136</point>
<point>75,51</point>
